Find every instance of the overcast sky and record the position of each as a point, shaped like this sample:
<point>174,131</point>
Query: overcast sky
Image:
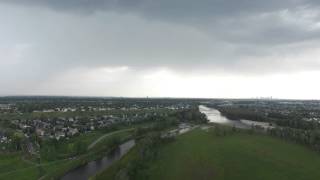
<point>161,48</point>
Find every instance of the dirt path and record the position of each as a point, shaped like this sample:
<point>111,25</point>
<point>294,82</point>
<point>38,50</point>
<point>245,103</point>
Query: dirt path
<point>107,135</point>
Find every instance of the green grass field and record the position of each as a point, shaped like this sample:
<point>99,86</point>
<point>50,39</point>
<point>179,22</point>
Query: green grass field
<point>202,155</point>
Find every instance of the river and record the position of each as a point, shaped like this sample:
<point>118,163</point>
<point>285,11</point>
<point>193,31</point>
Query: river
<point>85,171</point>
<point>215,116</point>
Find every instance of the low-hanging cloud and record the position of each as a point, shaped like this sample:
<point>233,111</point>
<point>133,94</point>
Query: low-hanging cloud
<point>43,38</point>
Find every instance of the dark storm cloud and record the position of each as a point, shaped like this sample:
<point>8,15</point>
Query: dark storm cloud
<point>170,8</point>
<point>235,20</point>
<point>53,44</point>
<point>234,36</point>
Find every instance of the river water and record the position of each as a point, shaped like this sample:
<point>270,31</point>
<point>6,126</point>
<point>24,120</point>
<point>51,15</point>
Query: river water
<point>85,171</point>
<point>215,116</point>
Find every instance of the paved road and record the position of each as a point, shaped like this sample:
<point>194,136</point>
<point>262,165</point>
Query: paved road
<point>107,135</point>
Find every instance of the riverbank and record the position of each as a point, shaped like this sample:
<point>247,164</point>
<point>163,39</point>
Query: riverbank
<point>89,169</point>
<point>16,166</point>
<point>96,152</point>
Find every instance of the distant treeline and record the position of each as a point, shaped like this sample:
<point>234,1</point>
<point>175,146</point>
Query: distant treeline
<point>292,121</point>
<point>309,138</point>
<point>39,103</point>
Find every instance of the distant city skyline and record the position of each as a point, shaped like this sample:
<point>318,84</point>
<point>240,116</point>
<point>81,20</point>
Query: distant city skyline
<point>167,48</point>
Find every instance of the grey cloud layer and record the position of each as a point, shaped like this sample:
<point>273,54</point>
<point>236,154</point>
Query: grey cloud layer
<point>234,36</point>
<point>238,20</point>
<point>171,8</point>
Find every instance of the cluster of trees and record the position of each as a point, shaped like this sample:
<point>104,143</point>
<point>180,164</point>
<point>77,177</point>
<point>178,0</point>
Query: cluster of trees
<point>156,127</point>
<point>53,149</point>
<point>235,113</point>
<point>18,141</point>
<point>15,141</point>
<point>297,123</point>
<point>310,138</point>
<point>221,130</point>
<point>146,152</point>
<point>192,115</point>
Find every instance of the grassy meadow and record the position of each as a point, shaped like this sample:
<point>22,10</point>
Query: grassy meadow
<point>201,155</point>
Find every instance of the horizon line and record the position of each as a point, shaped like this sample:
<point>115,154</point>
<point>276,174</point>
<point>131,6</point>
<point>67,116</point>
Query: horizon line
<point>164,97</point>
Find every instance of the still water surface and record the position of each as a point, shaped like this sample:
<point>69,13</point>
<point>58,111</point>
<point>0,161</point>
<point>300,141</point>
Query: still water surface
<point>215,116</point>
<point>93,167</point>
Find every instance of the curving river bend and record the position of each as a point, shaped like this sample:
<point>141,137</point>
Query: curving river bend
<point>216,117</point>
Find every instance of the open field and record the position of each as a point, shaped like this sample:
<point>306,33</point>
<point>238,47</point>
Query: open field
<point>202,155</point>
